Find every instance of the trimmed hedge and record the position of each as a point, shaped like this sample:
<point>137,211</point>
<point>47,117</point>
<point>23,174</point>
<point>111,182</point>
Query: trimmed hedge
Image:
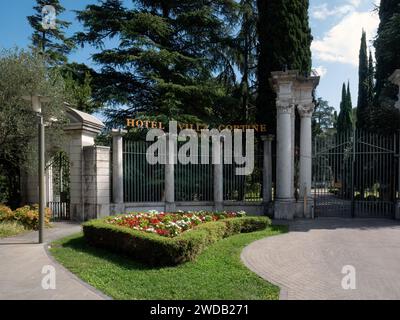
<point>156,250</point>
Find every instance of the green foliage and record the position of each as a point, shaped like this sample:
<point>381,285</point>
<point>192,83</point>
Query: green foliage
<point>165,60</point>
<point>201,279</point>
<point>363,107</point>
<point>27,216</point>
<point>156,250</point>
<point>9,229</point>
<point>284,41</point>
<point>323,117</point>
<point>345,118</point>
<point>24,74</point>
<point>53,42</point>
<point>387,46</point>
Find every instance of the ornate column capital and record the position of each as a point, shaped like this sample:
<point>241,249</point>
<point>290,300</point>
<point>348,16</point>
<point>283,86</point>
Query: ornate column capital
<point>306,110</point>
<point>285,107</point>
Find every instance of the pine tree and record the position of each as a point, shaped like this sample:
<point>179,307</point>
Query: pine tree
<point>387,46</point>
<point>363,89</point>
<point>284,40</point>
<point>165,60</point>
<point>53,42</point>
<point>345,122</point>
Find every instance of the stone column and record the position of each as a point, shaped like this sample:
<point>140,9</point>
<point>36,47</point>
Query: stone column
<point>267,171</point>
<point>285,202</point>
<point>306,112</point>
<point>170,205</point>
<point>118,169</point>
<point>218,175</point>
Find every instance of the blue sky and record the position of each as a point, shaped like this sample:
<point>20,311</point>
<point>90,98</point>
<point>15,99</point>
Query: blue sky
<point>336,26</point>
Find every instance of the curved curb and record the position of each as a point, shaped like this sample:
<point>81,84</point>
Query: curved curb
<point>47,248</point>
<point>284,292</point>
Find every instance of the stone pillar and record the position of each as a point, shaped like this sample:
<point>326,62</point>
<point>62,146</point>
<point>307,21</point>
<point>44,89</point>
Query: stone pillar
<point>96,182</point>
<point>285,202</point>
<point>218,175</point>
<point>306,112</point>
<point>118,169</point>
<point>292,166</point>
<point>267,172</point>
<point>49,184</point>
<point>170,205</point>
<point>81,133</point>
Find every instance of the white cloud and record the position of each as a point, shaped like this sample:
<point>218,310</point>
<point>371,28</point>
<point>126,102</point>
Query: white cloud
<point>322,12</point>
<point>342,42</point>
<point>321,70</point>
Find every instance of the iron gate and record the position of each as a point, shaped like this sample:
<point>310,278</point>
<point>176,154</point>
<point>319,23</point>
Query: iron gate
<point>356,174</point>
<point>60,206</point>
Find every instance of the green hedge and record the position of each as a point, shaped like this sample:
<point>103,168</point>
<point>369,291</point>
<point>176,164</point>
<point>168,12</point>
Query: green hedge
<point>155,250</point>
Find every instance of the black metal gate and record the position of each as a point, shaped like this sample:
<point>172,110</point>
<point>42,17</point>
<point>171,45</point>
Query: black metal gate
<point>60,206</point>
<point>356,174</point>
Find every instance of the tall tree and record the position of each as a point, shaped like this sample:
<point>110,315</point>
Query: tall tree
<point>345,122</point>
<point>166,57</point>
<point>387,46</point>
<point>284,40</point>
<point>371,81</point>
<point>53,42</point>
<point>323,117</point>
<point>363,89</point>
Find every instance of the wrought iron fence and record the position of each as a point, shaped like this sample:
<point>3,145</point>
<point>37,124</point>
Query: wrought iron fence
<point>356,174</point>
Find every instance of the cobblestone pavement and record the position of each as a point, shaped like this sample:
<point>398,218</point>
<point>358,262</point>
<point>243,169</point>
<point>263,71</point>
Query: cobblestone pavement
<point>21,264</point>
<point>307,262</point>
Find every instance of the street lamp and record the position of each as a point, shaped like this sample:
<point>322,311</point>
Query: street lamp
<point>36,103</point>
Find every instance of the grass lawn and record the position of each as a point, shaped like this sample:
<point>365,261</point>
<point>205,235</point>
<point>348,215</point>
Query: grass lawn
<point>9,229</point>
<point>218,273</point>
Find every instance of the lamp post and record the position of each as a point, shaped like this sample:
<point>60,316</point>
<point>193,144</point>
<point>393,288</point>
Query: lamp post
<point>36,102</point>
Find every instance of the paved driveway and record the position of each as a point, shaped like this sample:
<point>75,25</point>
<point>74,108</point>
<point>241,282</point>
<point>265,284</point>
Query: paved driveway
<point>307,263</point>
<point>21,264</point>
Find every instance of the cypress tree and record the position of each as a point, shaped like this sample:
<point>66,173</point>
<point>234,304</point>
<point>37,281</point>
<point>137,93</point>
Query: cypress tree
<point>284,40</point>
<point>387,46</point>
<point>370,81</point>
<point>344,122</point>
<point>52,42</point>
<point>363,89</point>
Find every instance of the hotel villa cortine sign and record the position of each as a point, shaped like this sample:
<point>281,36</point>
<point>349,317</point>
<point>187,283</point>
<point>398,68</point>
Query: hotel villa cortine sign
<point>227,144</point>
<point>198,127</point>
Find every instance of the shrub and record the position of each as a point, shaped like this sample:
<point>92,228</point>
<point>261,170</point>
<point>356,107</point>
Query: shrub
<point>29,216</point>
<point>156,250</point>
<point>6,214</point>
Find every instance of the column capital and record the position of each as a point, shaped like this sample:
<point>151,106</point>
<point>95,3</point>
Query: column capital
<point>118,132</point>
<point>285,107</point>
<point>306,110</point>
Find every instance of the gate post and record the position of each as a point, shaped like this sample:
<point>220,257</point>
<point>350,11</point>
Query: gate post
<point>217,161</point>
<point>306,112</point>
<point>170,205</point>
<point>285,205</point>
<point>118,169</point>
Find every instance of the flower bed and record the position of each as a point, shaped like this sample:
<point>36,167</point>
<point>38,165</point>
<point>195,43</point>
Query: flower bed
<point>170,224</point>
<point>161,239</point>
